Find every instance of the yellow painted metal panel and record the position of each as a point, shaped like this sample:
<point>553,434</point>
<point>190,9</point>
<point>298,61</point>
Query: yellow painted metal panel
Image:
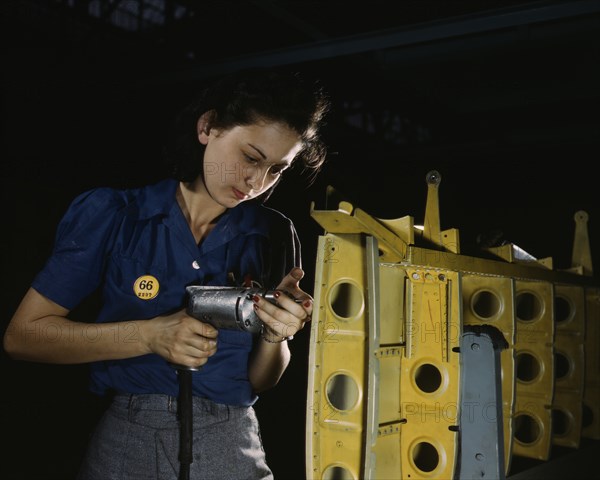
<point>534,368</point>
<point>338,350</point>
<point>591,396</point>
<point>569,316</point>
<point>387,451</point>
<point>392,279</point>
<point>430,374</point>
<point>532,429</point>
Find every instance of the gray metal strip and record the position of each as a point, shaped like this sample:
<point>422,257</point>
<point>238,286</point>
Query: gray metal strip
<point>372,388</point>
<point>481,427</point>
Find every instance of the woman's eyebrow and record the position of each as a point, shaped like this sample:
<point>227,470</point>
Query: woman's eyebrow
<point>259,151</point>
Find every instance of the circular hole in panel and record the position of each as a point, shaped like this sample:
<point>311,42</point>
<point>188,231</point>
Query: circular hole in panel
<point>342,392</point>
<point>561,422</point>
<point>527,428</point>
<point>587,415</point>
<point>425,456</point>
<point>428,377</point>
<point>527,367</point>
<point>335,472</point>
<point>528,307</point>
<point>346,300</point>
<point>562,309</point>
<point>485,304</point>
<point>562,365</point>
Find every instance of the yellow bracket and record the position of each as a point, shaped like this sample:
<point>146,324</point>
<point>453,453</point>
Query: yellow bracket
<point>393,236</point>
<point>431,225</point>
<point>582,255</point>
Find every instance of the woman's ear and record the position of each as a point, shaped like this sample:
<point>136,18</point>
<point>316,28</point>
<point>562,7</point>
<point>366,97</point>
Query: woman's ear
<point>203,126</point>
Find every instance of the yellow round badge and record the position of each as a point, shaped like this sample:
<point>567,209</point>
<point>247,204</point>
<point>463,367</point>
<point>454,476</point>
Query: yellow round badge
<point>146,287</point>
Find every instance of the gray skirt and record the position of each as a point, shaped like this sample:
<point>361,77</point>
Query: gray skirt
<point>138,439</point>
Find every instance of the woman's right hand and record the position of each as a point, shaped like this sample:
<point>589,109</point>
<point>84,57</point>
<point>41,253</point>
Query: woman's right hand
<point>41,332</point>
<point>181,339</point>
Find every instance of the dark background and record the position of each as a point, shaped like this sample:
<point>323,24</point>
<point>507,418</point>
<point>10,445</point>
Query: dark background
<point>501,97</point>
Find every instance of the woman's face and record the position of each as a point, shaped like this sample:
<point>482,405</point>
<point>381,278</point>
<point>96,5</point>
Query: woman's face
<point>243,162</point>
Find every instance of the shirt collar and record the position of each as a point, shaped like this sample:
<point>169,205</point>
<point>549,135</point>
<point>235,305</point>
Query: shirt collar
<point>158,199</point>
<point>247,218</point>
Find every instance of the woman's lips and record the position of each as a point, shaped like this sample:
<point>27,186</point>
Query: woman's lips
<point>239,195</point>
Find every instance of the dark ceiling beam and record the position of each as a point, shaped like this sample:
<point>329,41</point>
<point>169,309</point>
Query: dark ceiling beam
<point>511,18</point>
<point>275,10</point>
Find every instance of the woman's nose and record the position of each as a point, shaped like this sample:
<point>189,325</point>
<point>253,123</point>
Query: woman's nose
<point>255,178</point>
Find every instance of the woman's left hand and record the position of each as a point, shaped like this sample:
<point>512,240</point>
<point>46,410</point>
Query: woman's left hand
<point>293,309</point>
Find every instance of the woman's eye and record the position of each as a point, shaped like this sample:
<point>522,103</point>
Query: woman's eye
<point>274,170</point>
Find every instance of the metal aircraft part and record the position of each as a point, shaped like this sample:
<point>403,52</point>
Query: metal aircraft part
<point>481,442</point>
<point>393,303</point>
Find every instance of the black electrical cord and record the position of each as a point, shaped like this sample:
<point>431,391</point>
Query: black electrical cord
<point>186,423</point>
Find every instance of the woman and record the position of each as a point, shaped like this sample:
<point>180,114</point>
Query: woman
<point>142,247</point>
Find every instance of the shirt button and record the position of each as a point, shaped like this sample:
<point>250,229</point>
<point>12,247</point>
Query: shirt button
<point>196,265</point>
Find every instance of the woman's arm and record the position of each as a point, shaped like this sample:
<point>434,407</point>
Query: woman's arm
<point>269,360</point>
<point>267,364</point>
<point>40,331</point>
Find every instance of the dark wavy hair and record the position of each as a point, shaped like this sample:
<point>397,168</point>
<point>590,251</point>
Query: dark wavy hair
<point>244,98</point>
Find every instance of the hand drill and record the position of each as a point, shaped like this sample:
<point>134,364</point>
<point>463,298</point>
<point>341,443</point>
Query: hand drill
<point>229,308</point>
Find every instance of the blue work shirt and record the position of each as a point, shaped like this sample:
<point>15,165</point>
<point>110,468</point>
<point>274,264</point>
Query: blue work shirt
<point>138,248</point>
